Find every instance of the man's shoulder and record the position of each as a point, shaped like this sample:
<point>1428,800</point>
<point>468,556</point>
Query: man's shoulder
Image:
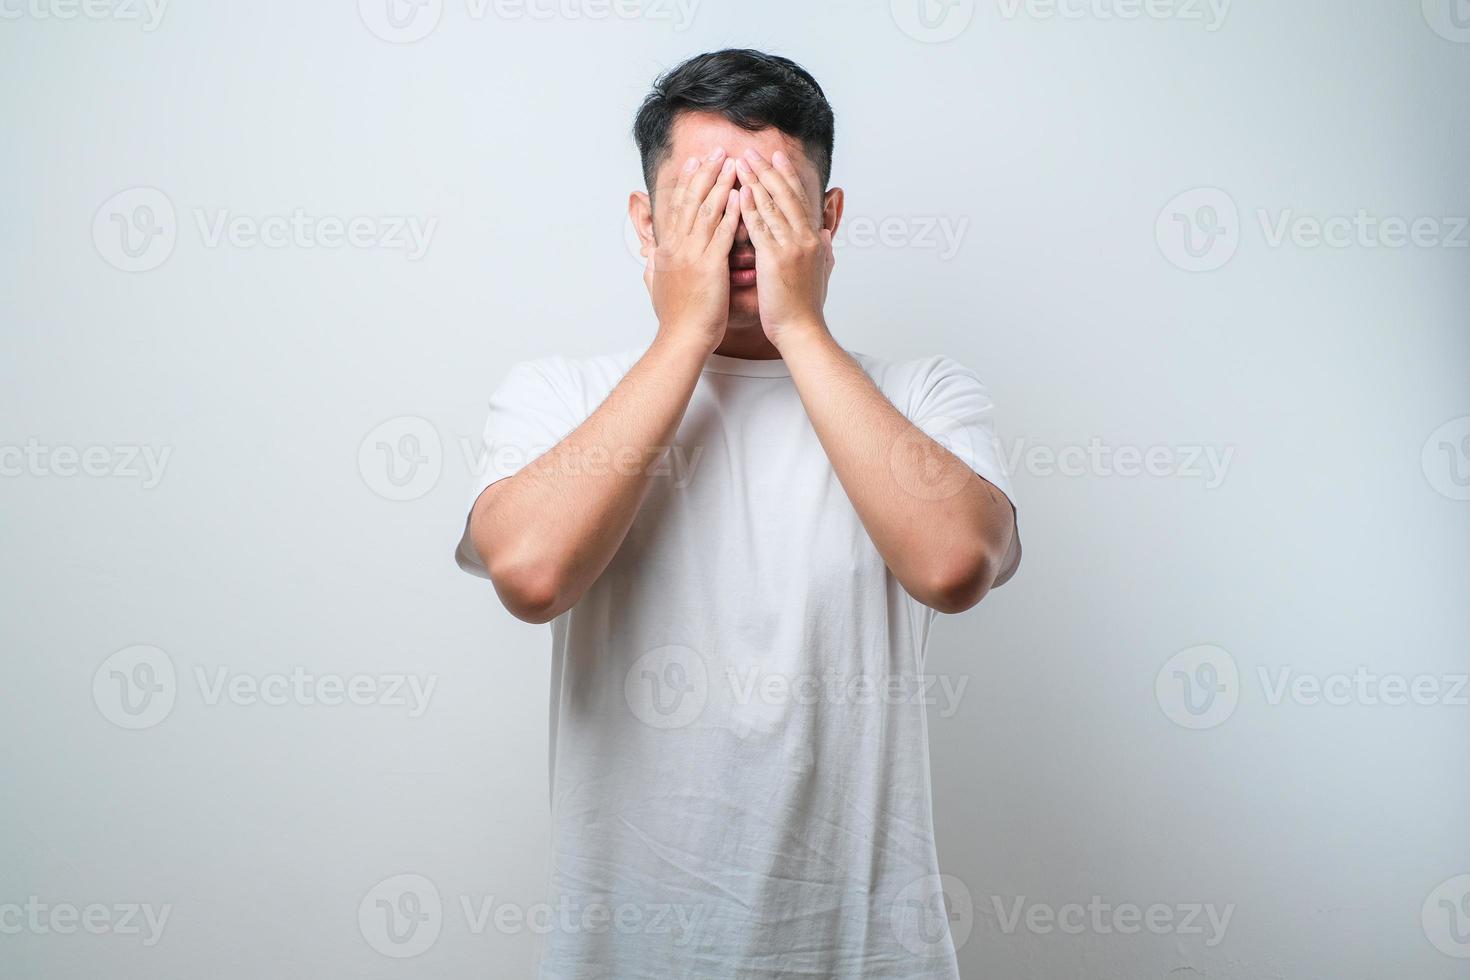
<point>584,375</point>
<point>912,377</point>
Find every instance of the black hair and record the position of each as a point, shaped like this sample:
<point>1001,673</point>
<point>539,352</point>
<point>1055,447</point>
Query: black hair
<point>752,89</point>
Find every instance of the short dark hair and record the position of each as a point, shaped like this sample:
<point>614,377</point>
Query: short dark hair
<point>752,89</point>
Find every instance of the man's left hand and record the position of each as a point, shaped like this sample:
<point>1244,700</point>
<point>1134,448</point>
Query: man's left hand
<point>793,252</point>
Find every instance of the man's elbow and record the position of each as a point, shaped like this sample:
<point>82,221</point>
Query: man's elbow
<point>531,589</point>
<point>958,581</point>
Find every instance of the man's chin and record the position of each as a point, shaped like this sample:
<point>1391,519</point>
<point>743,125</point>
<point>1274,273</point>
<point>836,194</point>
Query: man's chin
<point>745,312</point>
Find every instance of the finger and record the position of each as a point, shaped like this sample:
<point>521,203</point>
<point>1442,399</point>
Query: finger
<point>755,219</point>
<point>712,211</point>
<point>674,212</point>
<point>789,217</point>
<point>723,238</point>
<point>765,206</point>
<point>782,165</point>
<point>698,188</point>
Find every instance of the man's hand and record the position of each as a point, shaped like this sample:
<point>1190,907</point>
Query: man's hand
<point>793,252</point>
<point>688,272</point>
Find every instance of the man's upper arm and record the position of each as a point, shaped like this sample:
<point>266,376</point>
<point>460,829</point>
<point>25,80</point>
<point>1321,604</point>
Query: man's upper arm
<point>950,404</point>
<point>532,409</point>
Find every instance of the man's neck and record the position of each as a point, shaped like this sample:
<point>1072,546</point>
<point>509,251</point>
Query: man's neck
<point>749,343</point>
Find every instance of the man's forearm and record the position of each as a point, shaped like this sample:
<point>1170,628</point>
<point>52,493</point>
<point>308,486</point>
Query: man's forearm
<point>547,533</point>
<point>942,530</point>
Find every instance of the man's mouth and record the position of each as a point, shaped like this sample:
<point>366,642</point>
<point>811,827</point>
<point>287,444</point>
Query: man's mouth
<point>742,270</point>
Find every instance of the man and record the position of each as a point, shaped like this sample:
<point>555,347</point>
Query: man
<point>740,535</point>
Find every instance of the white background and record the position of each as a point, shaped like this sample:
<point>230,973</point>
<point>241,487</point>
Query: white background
<point>1333,540</point>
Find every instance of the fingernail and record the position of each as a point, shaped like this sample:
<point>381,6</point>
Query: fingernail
<point>744,167</point>
<point>691,164</point>
<point>779,158</point>
<point>753,153</point>
<point>729,166</point>
<point>716,153</point>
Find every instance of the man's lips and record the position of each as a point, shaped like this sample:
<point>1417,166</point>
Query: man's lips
<point>742,270</point>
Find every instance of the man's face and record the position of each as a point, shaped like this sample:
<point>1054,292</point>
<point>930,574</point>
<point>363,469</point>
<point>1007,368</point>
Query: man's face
<point>695,134</point>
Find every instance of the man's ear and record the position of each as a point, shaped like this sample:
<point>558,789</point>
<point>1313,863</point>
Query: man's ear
<point>832,203</point>
<point>640,212</point>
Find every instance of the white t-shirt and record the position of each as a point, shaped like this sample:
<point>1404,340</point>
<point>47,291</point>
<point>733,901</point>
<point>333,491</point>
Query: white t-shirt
<point>739,747</point>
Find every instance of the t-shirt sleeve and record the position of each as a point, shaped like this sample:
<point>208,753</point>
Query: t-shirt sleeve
<point>950,404</point>
<point>532,410</point>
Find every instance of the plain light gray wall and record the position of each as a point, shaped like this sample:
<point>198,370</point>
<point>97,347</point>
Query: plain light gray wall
<point>1083,763</point>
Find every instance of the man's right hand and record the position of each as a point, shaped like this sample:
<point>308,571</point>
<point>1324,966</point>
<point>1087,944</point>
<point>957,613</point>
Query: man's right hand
<point>688,272</point>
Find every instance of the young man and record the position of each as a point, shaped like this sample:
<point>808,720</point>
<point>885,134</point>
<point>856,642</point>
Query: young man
<point>740,535</point>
